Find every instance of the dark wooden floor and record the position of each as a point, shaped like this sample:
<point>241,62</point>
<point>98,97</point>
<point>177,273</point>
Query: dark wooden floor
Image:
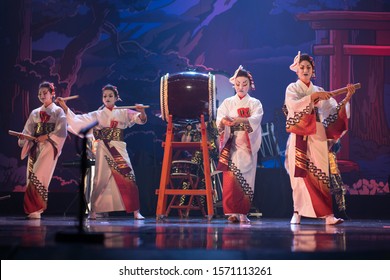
<point>58,237</point>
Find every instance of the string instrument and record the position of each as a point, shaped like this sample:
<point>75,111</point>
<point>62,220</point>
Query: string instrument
<point>343,90</point>
<point>18,134</point>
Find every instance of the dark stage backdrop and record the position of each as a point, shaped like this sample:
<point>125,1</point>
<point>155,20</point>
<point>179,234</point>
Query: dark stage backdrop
<point>83,45</point>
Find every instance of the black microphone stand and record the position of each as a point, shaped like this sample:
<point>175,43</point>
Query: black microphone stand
<point>81,235</point>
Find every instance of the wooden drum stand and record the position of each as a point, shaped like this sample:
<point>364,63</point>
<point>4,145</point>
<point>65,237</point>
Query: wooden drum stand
<point>167,187</point>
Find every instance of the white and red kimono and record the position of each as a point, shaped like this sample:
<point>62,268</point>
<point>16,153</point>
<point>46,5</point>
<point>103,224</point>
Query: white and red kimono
<point>310,126</point>
<point>238,152</point>
<point>114,187</point>
<point>42,156</point>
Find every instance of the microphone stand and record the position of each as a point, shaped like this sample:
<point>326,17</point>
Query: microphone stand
<point>81,235</point>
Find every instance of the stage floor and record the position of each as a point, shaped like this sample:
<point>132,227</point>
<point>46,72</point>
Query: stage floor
<point>118,238</point>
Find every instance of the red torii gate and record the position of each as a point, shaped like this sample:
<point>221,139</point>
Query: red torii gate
<point>335,30</point>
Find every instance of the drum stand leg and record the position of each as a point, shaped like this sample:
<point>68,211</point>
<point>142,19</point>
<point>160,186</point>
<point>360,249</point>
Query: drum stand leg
<point>160,218</point>
<point>206,167</point>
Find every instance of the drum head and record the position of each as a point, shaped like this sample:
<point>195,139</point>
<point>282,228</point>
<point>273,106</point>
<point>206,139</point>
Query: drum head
<point>187,95</point>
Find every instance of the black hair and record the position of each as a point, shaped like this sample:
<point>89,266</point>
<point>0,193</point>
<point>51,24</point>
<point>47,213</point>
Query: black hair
<point>310,59</point>
<point>245,73</point>
<point>48,85</point>
<point>112,88</point>
<point>306,57</point>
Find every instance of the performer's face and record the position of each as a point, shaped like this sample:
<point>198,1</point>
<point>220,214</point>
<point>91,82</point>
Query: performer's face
<point>305,71</point>
<point>241,85</point>
<point>45,96</point>
<point>109,98</point>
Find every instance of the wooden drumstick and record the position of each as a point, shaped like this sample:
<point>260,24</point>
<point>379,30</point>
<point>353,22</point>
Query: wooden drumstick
<point>18,134</point>
<point>70,97</point>
<point>131,107</point>
<point>343,90</point>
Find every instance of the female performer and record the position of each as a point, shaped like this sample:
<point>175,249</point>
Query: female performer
<point>48,125</point>
<point>313,117</point>
<point>114,186</point>
<point>239,125</point>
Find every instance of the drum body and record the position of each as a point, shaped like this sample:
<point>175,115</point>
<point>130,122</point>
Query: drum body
<point>187,95</point>
<point>184,167</point>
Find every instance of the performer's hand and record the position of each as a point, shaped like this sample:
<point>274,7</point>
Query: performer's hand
<point>227,121</point>
<point>21,137</point>
<point>41,138</point>
<point>351,90</point>
<point>140,108</point>
<point>240,120</point>
<point>321,95</point>
<point>62,104</point>
<point>325,95</point>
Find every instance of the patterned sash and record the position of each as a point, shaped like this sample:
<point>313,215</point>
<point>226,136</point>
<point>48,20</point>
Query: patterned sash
<point>36,195</point>
<point>301,160</point>
<point>124,178</point>
<point>224,157</point>
<point>237,195</point>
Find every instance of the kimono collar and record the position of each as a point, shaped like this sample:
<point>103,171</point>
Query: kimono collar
<point>242,99</point>
<point>304,87</point>
<point>43,108</point>
<point>108,109</point>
